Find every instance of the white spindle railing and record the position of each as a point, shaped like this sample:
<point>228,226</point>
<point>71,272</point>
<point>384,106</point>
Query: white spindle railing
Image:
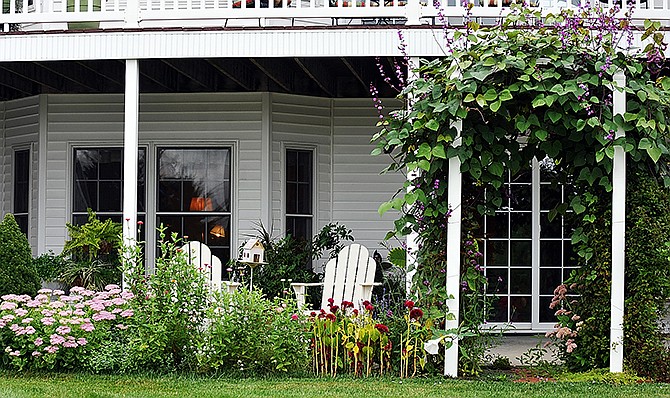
<point>53,14</point>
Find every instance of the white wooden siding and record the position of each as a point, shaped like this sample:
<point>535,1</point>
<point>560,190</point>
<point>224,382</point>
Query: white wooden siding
<point>21,130</point>
<point>165,119</point>
<point>358,188</point>
<point>301,122</point>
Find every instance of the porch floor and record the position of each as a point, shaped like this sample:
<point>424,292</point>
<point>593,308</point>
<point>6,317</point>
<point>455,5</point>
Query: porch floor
<point>515,346</point>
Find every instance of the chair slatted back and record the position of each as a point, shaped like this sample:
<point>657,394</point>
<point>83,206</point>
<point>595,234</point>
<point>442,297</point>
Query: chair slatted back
<point>199,255</point>
<point>344,274</point>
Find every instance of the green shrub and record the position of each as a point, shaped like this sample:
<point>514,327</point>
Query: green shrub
<point>289,258</point>
<point>94,250</point>
<point>647,283</point>
<point>17,271</point>
<point>49,266</point>
<point>251,334</point>
<point>171,306</point>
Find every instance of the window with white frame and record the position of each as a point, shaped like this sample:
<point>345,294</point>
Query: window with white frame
<point>98,184</point>
<point>526,255</point>
<point>194,196</point>
<point>299,193</point>
<point>21,190</point>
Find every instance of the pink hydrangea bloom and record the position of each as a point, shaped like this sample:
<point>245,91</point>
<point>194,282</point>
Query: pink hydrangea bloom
<point>82,341</point>
<point>44,291</point>
<point>118,301</point>
<point>78,312</point>
<point>47,320</point>
<point>127,313</point>
<point>30,330</point>
<point>47,312</point>
<point>121,326</point>
<point>97,306</point>
<point>87,327</point>
<point>33,303</point>
<point>111,287</point>
<point>36,353</point>
<point>21,312</point>
<point>8,305</point>
<point>58,292</point>
<point>56,339</point>
<point>26,320</point>
<point>15,353</point>
<point>57,304</point>
<point>38,342</point>
<point>51,349</point>
<point>42,298</point>
<point>127,295</point>
<point>63,330</point>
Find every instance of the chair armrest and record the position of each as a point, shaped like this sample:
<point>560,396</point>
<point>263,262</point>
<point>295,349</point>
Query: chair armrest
<point>300,290</point>
<point>231,286</point>
<point>366,289</point>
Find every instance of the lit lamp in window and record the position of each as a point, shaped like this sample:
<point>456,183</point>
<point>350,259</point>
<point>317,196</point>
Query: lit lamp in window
<point>218,231</point>
<point>201,204</point>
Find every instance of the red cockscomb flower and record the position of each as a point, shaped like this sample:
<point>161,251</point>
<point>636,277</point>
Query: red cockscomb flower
<point>415,314</point>
<point>409,304</point>
<point>382,328</point>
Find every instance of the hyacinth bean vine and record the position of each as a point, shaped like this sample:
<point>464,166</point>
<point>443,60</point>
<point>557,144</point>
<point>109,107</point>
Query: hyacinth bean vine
<point>531,87</point>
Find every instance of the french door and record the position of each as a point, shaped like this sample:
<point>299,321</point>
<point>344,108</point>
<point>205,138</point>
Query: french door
<point>525,255</point>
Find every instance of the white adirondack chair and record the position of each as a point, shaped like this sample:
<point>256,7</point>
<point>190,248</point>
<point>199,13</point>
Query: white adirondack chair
<point>200,255</point>
<point>350,276</point>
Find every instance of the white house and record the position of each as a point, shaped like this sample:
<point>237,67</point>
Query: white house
<point>209,116</point>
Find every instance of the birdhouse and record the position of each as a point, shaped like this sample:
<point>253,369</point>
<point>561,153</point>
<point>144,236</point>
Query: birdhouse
<point>253,252</point>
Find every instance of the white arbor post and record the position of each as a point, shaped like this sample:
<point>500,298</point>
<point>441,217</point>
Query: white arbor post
<point>130,152</point>
<point>411,239</point>
<point>453,279</point>
<point>618,231</point>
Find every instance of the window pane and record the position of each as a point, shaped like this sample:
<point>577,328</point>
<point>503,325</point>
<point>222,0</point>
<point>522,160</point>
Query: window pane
<point>496,252</point>
<point>304,199</point>
<point>496,226</point>
<point>550,253</point>
<point>520,253</point>
<point>520,308</point>
<point>521,225</point>
<point>299,227</point>
<point>110,164</point>
<point>85,195</point>
<point>520,281</point>
<point>22,220</point>
<point>110,196</point>
<point>86,164</point>
<point>291,198</point>
<point>520,197</point>
<point>550,229</point>
<point>169,196</point>
<point>549,279</point>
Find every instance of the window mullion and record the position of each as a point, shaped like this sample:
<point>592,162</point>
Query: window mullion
<point>535,245</point>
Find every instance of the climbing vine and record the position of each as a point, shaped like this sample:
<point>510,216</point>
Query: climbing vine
<point>532,87</point>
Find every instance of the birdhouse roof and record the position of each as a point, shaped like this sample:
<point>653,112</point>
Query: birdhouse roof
<point>251,243</point>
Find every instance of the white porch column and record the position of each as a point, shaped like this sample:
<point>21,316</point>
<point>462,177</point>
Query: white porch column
<point>618,233</point>
<point>411,239</point>
<point>130,148</point>
<point>453,282</point>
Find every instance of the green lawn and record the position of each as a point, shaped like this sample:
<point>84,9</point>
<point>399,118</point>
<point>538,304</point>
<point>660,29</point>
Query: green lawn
<point>55,386</point>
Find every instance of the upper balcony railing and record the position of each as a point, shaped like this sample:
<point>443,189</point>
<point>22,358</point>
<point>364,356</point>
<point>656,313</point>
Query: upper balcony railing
<point>32,15</point>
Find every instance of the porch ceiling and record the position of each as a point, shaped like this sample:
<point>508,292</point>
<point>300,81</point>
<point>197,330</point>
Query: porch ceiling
<point>324,77</point>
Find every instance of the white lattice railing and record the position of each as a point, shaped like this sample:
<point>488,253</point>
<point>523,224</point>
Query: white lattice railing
<point>54,14</point>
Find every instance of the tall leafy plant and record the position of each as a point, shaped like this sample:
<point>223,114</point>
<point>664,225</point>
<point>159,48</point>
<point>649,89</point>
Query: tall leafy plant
<point>94,250</point>
<point>547,81</point>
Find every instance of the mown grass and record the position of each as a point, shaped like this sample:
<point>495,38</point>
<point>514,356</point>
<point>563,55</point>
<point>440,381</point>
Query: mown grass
<point>78,385</point>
